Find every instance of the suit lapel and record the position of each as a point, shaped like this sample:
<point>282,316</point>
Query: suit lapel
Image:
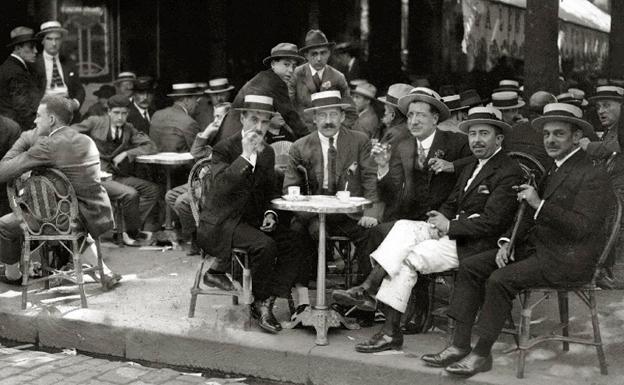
<point>556,178</point>
<point>343,147</point>
<point>308,79</point>
<point>437,144</point>
<point>317,160</point>
<point>486,171</point>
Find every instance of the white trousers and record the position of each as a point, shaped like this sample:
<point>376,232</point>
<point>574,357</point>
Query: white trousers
<point>407,249</point>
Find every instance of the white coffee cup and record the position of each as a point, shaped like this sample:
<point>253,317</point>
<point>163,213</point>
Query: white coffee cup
<point>343,195</point>
<point>294,190</point>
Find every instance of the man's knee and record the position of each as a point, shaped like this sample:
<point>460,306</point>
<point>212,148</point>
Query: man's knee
<point>182,203</point>
<point>151,190</point>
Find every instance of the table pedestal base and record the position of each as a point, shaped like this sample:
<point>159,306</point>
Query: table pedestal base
<point>321,320</point>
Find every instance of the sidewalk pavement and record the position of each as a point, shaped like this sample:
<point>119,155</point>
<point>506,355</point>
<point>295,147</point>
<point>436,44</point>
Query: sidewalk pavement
<point>145,318</point>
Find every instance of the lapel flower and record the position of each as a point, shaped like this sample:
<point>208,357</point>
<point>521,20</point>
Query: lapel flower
<point>439,153</point>
<point>353,168</point>
<point>326,85</point>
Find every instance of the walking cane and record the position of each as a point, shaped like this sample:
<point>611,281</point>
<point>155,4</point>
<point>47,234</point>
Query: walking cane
<point>519,216</point>
<point>303,171</point>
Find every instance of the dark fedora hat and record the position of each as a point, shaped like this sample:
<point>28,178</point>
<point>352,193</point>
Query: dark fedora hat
<point>563,112</point>
<point>315,38</point>
<point>144,83</point>
<point>258,103</point>
<point>51,26</point>
<point>282,51</point>
<point>21,35</point>
<point>105,91</point>
<point>471,98</point>
<point>118,101</point>
<point>485,115</point>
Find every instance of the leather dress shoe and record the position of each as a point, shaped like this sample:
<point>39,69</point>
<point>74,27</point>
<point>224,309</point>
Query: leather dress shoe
<point>263,312</point>
<point>448,356</point>
<point>193,249</point>
<point>470,365</point>
<point>220,281</point>
<point>380,342</point>
<point>355,296</point>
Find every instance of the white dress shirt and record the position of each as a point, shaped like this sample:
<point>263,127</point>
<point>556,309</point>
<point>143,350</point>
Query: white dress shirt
<point>48,61</point>
<point>324,149</point>
<point>479,167</point>
<point>558,164</point>
<point>320,72</point>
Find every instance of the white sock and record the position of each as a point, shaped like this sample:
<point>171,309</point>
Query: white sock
<point>90,256</point>
<point>13,272</point>
<point>300,292</point>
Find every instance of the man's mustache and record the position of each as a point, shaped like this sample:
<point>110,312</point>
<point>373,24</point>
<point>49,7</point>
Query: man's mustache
<point>329,125</point>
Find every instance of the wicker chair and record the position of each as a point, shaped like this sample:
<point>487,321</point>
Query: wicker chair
<point>47,207</point>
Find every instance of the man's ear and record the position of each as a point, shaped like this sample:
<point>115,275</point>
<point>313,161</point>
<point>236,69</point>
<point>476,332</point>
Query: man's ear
<point>436,117</point>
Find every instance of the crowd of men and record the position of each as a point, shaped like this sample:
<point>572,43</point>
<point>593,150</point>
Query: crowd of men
<point>443,188</point>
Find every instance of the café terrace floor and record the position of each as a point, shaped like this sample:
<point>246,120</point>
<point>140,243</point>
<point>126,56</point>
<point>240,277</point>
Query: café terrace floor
<point>145,318</point>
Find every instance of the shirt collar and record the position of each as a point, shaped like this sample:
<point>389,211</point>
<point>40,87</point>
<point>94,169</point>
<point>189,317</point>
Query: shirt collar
<point>56,130</point>
<point>182,107</point>
<point>559,163</point>
<point>325,140</point>
<point>426,143</point>
<point>49,57</point>
<point>351,62</point>
<point>19,58</point>
<point>484,161</point>
<point>320,72</point>
<point>142,110</point>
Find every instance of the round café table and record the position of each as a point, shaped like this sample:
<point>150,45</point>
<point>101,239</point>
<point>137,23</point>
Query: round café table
<point>167,160</point>
<point>321,317</point>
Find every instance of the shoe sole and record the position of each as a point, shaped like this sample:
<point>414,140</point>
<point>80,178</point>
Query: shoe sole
<point>483,369</point>
<point>347,300</point>
<point>363,350</point>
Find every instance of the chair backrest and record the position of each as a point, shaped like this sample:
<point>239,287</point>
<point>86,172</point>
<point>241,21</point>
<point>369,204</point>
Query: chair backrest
<point>199,181</point>
<point>532,168</point>
<point>45,203</point>
<point>282,149</point>
<point>613,232</point>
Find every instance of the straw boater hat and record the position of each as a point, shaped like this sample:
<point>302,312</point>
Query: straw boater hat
<point>485,115</point>
<point>579,94</point>
<point>395,92</point>
<point>570,98</point>
<point>366,90</point>
<point>218,85</point>
<point>326,99</point>
<point>563,112</point>
<point>258,103</point>
<point>125,76</point>
<point>186,89</point>
<point>508,85</point>
<point>608,93</point>
<point>21,35</point>
<point>426,95</point>
<point>315,39</point>
<point>51,26</point>
<point>283,51</point>
<point>454,103</point>
<point>506,100</point>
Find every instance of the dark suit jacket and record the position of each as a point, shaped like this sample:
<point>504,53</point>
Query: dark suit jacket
<point>265,83</point>
<point>482,213</point>
<point>76,156</point>
<point>367,122</point>
<point>19,93</point>
<point>332,80</point>
<point>238,193</point>
<point>394,134</point>
<point>173,130</point>
<point>133,141</point>
<point>410,192</point>
<point>137,120</point>
<point>353,154</point>
<point>71,77</point>
<point>9,133</point>
<point>568,234</point>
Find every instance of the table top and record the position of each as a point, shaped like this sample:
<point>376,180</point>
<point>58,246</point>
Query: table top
<point>327,204</point>
<point>171,158</point>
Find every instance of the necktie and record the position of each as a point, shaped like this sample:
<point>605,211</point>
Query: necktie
<point>119,133</point>
<point>146,115</point>
<point>331,167</point>
<point>317,81</point>
<point>57,80</point>
<point>422,157</point>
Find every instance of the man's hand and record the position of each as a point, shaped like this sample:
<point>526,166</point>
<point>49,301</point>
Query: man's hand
<point>269,223</point>
<point>584,142</point>
<point>119,158</point>
<point>439,221</point>
<point>527,192</point>
<point>438,165</point>
<point>381,156</point>
<point>502,256</point>
<point>250,142</point>
<point>211,129</point>
<point>368,222</point>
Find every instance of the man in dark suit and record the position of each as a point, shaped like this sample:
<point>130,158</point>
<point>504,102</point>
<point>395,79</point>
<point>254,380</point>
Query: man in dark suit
<point>367,121</point>
<point>237,215</point>
<point>334,159</point>
<point>19,93</point>
<point>57,75</point>
<point>10,133</point>
<point>218,91</point>
<point>141,108</point>
<point>316,76</point>
<point>559,241</point>
<point>119,143</point>
<point>393,122</point>
<point>346,56</point>
<point>272,82</point>
<point>55,145</point>
<point>479,209</point>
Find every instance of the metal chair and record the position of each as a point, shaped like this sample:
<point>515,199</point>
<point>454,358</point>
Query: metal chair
<point>199,182</point>
<point>586,292</point>
<point>47,207</point>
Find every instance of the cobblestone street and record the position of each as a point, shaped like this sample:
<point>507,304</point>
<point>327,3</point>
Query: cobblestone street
<point>25,367</point>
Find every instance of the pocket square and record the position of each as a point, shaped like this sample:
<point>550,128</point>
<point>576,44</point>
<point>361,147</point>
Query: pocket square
<point>71,74</point>
<point>483,189</point>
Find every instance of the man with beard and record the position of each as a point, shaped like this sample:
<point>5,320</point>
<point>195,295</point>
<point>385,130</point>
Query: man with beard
<point>272,82</point>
